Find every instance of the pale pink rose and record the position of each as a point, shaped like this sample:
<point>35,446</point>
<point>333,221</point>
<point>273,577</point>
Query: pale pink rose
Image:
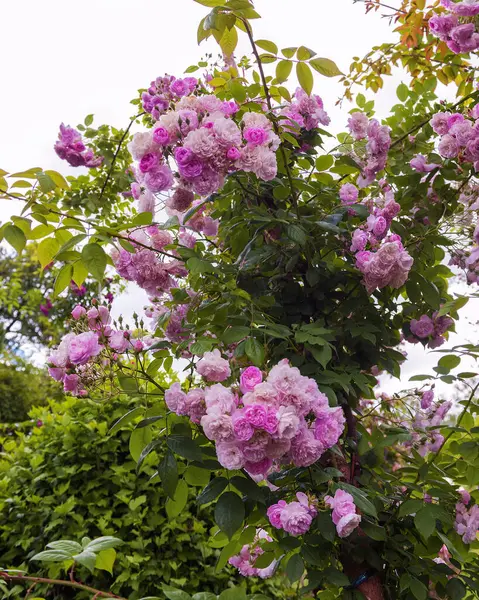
<point>83,347</point>
<point>230,456</point>
<point>249,379</point>
<point>295,519</point>
<point>347,524</point>
<point>78,312</point>
<point>213,367</point>
<point>218,427</point>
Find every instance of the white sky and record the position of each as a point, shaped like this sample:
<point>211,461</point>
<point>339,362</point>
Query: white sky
<point>70,59</point>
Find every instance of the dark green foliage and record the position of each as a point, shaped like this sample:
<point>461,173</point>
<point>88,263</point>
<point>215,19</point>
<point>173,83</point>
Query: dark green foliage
<point>69,478</point>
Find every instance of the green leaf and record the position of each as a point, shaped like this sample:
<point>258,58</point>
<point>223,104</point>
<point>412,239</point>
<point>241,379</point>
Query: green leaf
<point>204,596</point>
<point>325,67</point>
<point>425,522</point>
<point>125,419</point>
<point>15,237</point>
<point>86,559</point>
<point>210,3</point>
<point>95,260</point>
<point>402,92</point>
<point>249,488</point>
<point>283,70</point>
<point>52,556</point>
<point>63,279</point>
<point>46,183</point>
<point>410,507</point>
<point>185,447</point>
<point>229,40</point>
<point>430,293</point>
<point>336,577</point>
<point>212,490</point>
<point>197,476</point>
<point>229,513</point>
<point>455,589</point>
<point>168,472</point>
<point>418,589</point>
<point>66,546</point>
<point>235,334</point>
<point>296,233</point>
<point>88,120</point>
<point>294,568</point>
<point>103,543</point>
<point>174,506</point>
<point>289,52</point>
<point>235,593</point>
<point>373,531</point>
<point>58,179</point>
<point>139,439</point>
<point>46,250</point>
<point>80,273</point>
<point>304,53</point>
<point>451,361</point>
<point>105,560</point>
<point>254,351</point>
<point>270,47</point>
<point>305,77</point>
<point>196,265</point>
<point>325,162</point>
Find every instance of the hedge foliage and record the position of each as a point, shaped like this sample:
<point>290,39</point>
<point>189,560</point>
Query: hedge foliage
<point>69,478</point>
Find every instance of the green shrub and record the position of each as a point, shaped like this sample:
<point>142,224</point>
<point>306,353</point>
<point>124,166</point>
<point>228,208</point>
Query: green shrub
<point>23,386</point>
<point>69,478</point>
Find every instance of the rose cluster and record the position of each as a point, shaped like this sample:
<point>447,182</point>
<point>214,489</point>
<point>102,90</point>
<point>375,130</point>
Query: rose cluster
<point>388,266</point>
<point>204,143</point>
<point>468,259</point>
<point>173,319</point>
<point>467,519</point>
<point>71,363</point>
<point>294,517</point>
<point>377,146</point>
<point>262,424</point>
<point>164,90</point>
<point>426,439</point>
<point>430,329</point>
<point>148,267</point>
<point>344,512</point>
<point>456,28</point>
<point>459,135</point>
<point>305,112</point>
<point>70,147</point>
<point>249,553</point>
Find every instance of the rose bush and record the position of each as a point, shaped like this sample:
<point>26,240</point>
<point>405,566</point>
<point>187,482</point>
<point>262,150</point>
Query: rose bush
<point>288,270</point>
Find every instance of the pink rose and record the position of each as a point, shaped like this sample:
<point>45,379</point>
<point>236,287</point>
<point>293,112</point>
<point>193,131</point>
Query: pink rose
<point>83,347</point>
<point>295,519</point>
<point>249,379</point>
<point>78,312</point>
<point>213,367</point>
<point>274,513</point>
<point>347,524</point>
<point>175,399</point>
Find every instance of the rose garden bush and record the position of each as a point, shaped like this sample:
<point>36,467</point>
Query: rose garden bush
<point>289,269</point>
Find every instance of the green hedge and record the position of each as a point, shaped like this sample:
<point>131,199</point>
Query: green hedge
<point>23,386</point>
<point>69,478</point>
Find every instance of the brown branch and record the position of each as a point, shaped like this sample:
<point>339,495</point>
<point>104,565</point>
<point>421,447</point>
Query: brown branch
<point>73,584</point>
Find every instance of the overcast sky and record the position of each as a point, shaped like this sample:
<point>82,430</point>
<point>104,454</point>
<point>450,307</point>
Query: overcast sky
<point>64,60</point>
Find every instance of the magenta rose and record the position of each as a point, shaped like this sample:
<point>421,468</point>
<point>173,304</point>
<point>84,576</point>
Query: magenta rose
<point>149,162</point>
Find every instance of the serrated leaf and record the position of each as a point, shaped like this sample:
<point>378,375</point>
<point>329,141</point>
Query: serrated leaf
<point>80,273</point>
<point>254,351</point>
<point>325,67</point>
<point>62,279</point>
<point>229,513</point>
<point>47,249</point>
<point>139,439</point>
<point>15,237</point>
<point>283,70</point>
<point>305,77</point>
<point>67,546</point>
<point>46,183</point>
<point>212,490</point>
<point>52,556</point>
<point>168,472</point>
<point>185,447</point>
<point>125,419</point>
<point>425,522</point>
<point>296,233</point>
<point>103,543</point>
<point>94,259</point>
<point>294,568</point>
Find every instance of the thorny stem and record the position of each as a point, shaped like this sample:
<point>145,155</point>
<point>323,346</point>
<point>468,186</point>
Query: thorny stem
<point>74,584</point>
<point>115,156</point>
